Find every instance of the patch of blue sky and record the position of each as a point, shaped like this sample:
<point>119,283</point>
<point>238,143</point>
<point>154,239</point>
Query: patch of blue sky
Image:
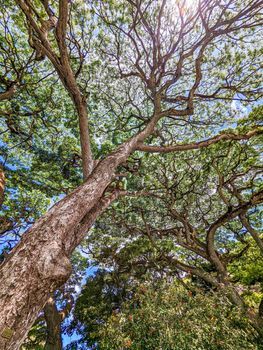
<point>90,271</point>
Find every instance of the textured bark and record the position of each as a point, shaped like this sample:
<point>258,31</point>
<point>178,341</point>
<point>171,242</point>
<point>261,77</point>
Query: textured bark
<point>40,263</point>
<point>79,100</point>
<point>52,316</point>
<point>2,185</point>
<point>53,321</point>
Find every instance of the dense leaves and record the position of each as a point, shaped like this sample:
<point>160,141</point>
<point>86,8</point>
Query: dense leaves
<point>170,318</point>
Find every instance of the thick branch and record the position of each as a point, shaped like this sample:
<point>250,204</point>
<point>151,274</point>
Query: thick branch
<point>8,93</point>
<point>89,219</point>
<point>193,270</point>
<point>229,215</point>
<point>40,264</point>
<point>200,144</point>
<point>67,77</point>
<point>252,231</point>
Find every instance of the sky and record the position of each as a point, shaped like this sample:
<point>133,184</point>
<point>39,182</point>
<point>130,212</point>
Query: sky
<point>89,272</point>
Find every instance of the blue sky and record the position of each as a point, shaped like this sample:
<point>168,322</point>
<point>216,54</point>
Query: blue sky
<point>66,338</point>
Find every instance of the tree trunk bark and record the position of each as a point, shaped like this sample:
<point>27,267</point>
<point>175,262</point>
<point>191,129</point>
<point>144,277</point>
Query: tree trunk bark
<point>2,185</point>
<point>40,263</point>
<point>53,321</point>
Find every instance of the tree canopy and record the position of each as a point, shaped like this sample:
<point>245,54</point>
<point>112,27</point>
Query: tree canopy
<point>131,133</point>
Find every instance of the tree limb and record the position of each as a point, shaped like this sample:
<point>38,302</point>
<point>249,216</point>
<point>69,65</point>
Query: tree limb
<point>200,144</point>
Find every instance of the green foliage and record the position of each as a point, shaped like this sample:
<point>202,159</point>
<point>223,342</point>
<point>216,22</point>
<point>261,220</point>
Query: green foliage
<point>253,119</point>
<point>102,294</point>
<point>248,271</point>
<point>249,268</point>
<point>169,317</point>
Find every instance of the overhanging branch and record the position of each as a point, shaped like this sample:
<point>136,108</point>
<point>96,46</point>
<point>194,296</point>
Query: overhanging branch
<point>200,144</point>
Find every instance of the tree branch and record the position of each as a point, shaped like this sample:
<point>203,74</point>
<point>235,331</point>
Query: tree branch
<point>8,93</point>
<point>229,215</point>
<point>65,72</point>
<point>252,231</point>
<point>200,144</point>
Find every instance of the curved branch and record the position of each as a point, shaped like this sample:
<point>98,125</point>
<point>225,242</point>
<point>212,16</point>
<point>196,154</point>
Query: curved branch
<point>252,231</point>
<point>229,215</point>
<point>62,65</point>
<point>200,144</point>
<point>193,270</point>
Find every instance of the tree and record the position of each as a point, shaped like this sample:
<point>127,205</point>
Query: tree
<point>160,73</point>
<point>166,234</point>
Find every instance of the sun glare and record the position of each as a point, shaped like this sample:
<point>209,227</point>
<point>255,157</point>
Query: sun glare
<point>183,6</point>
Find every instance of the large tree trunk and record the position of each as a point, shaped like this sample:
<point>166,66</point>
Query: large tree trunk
<point>40,263</point>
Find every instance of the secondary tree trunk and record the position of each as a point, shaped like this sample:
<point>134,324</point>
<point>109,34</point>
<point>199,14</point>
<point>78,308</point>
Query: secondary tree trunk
<point>53,321</point>
<point>2,185</point>
<point>40,263</point>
